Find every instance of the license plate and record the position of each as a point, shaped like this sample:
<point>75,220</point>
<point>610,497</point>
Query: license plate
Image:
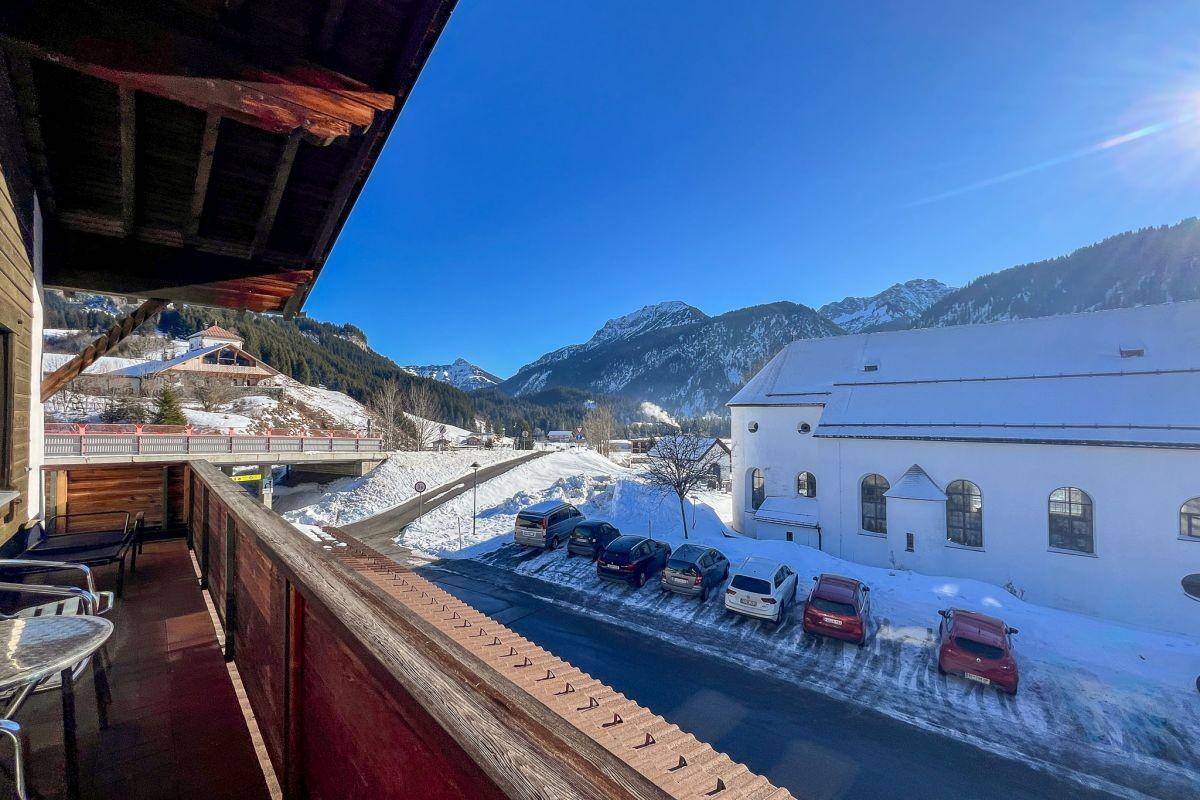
<point>831,621</point>
<point>748,601</point>
<point>977,678</point>
<point>610,567</point>
<point>680,581</point>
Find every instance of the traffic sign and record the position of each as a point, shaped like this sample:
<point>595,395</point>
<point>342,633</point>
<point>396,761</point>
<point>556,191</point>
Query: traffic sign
<point>419,486</point>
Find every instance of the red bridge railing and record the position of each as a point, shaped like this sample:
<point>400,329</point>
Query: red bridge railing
<point>64,440</point>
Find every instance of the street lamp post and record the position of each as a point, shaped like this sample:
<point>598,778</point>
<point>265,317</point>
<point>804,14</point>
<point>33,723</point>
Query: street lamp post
<point>474,499</point>
<point>693,498</point>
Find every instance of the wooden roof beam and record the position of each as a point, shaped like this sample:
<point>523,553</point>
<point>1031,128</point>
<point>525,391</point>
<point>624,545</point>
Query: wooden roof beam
<point>283,169</point>
<point>128,123</point>
<point>25,92</point>
<point>208,146</point>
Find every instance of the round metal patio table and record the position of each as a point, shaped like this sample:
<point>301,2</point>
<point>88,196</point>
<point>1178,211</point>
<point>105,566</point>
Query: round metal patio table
<point>31,650</point>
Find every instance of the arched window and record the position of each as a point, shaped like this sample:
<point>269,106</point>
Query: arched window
<point>874,504</point>
<point>806,484</point>
<point>1071,520</point>
<point>758,489</point>
<point>964,514</point>
<point>1189,518</point>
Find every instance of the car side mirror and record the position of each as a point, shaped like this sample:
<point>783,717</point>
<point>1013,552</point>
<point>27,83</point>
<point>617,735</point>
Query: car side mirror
<point>943,613</point>
<point>816,577</point>
<point>1013,630</point>
<point>866,588</point>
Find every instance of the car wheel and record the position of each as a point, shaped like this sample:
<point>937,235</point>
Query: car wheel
<point>703,594</point>
<point>726,575</point>
<point>641,579</point>
<point>939,666</point>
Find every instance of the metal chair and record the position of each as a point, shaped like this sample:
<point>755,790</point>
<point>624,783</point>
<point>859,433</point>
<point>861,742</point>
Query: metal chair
<point>91,548</point>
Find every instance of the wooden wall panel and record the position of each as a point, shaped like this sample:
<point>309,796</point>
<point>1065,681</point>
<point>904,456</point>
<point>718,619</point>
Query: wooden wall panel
<point>121,487</point>
<point>362,737</point>
<point>261,642</point>
<point>17,296</point>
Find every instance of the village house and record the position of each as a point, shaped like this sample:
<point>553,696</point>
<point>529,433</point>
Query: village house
<point>1058,457</point>
<point>713,453</point>
<point>214,354</point>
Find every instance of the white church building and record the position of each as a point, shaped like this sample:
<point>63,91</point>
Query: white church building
<point>1058,456</point>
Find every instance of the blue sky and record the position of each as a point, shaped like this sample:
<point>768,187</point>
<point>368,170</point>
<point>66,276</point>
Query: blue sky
<point>563,162</point>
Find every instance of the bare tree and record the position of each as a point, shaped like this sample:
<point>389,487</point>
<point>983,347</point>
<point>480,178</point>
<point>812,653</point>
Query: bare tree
<point>212,395</point>
<point>598,429</point>
<point>421,405</point>
<point>681,464</point>
<point>386,408</point>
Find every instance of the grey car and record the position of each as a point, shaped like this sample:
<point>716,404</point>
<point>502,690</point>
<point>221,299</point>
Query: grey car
<point>693,569</point>
<point>546,524</point>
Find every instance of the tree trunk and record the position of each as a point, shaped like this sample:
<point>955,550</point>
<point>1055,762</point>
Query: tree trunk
<point>683,514</point>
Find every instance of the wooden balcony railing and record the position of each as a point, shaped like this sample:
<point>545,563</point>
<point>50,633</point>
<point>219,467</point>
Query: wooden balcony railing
<point>367,681</point>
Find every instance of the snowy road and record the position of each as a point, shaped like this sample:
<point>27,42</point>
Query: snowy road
<point>815,745</point>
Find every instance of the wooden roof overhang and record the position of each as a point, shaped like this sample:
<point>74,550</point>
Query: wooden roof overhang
<point>206,151</point>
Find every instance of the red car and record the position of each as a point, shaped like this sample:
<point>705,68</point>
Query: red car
<point>978,647</point>
<point>838,607</point>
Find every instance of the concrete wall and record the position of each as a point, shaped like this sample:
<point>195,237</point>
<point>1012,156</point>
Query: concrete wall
<point>1139,556</point>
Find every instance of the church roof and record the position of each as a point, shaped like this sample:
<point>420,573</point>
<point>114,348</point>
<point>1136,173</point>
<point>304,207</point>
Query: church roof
<point>915,484</point>
<point>1117,377</point>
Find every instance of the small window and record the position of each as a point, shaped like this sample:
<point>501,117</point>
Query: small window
<point>791,537</point>
<point>1189,519</point>
<point>964,514</point>
<point>758,490</point>
<point>806,484</point>
<point>910,543</point>
<point>870,368</point>
<point>1191,586</point>
<point>803,427</point>
<point>752,427</point>
<point>874,504</point>
<point>1071,520</point>
<point>1132,351</point>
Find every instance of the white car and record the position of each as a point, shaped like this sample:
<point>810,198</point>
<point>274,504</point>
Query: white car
<point>762,588</point>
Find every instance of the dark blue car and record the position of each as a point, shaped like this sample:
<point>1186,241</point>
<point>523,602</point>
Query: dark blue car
<point>633,559</point>
<point>590,538</point>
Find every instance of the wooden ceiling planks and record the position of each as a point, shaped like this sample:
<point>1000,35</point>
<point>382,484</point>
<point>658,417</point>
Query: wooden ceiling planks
<point>207,151</point>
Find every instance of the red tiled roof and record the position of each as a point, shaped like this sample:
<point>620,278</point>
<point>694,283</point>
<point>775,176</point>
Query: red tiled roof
<point>212,331</point>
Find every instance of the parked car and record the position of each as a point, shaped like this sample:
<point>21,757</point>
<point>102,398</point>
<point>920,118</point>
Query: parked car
<point>590,537</point>
<point>838,607</point>
<point>762,588</point>
<point>547,524</point>
<point>978,647</point>
<point>633,559</point>
<point>693,569</point>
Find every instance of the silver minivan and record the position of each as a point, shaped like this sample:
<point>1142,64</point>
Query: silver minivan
<point>546,524</point>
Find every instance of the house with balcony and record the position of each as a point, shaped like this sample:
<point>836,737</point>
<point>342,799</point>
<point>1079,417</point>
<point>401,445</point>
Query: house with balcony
<point>1051,456</point>
<point>210,153</point>
<point>213,355</point>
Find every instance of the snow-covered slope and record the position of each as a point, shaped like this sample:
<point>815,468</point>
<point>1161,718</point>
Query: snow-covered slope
<point>897,305</point>
<point>461,374</point>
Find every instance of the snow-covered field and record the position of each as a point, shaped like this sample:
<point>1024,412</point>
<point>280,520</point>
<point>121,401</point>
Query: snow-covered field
<point>1109,704</point>
<point>348,500</point>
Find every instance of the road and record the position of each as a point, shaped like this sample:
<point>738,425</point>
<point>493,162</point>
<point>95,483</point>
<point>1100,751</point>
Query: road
<point>809,742</point>
<point>380,530</point>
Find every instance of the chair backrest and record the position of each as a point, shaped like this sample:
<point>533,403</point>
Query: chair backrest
<point>67,607</point>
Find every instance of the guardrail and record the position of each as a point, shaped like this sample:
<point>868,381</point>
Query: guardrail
<point>165,440</point>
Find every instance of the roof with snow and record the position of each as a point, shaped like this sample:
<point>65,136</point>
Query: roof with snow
<point>147,368</point>
<point>800,511</point>
<point>706,444</point>
<point>915,484</point>
<point>216,332</point>
<point>1116,377</point>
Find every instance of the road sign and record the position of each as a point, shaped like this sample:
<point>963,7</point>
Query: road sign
<point>247,478</point>
<point>419,486</point>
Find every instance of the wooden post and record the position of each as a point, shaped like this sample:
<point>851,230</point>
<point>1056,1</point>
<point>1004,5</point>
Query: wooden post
<point>204,501</point>
<point>166,498</point>
<point>230,583</point>
<point>293,694</point>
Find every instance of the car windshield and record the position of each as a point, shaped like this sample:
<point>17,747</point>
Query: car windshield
<point>528,521</point>
<point>616,556</point>
<point>683,565</point>
<point>582,533</point>
<point>753,585</point>
<point>831,607</point>
<point>978,648</point>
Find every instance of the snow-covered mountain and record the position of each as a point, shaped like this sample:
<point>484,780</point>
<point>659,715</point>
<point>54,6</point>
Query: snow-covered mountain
<point>461,374</point>
<point>686,367</point>
<point>899,305</point>
<point>644,320</point>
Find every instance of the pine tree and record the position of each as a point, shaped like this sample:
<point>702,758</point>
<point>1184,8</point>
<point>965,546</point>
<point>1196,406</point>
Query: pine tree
<point>170,412</point>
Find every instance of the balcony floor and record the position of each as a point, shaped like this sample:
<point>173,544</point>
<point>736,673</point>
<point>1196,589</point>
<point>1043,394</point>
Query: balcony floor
<point>175,727</point>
